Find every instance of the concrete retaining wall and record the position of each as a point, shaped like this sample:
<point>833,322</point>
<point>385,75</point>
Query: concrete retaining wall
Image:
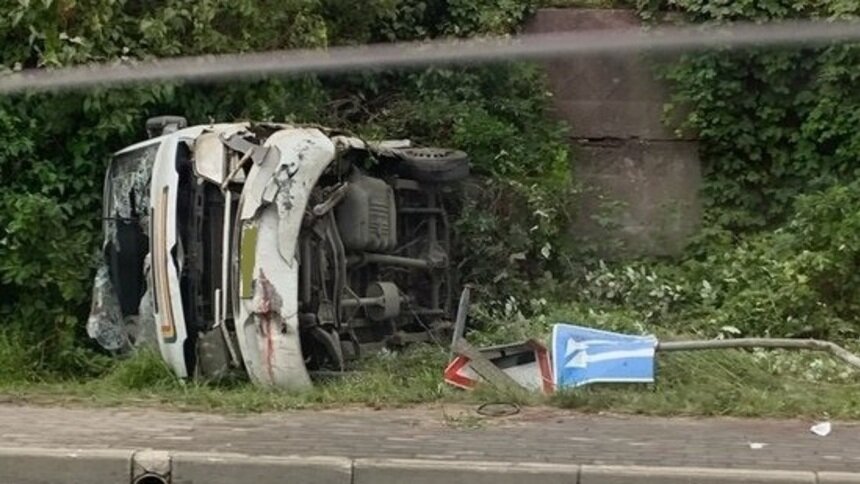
<point>640,179</point>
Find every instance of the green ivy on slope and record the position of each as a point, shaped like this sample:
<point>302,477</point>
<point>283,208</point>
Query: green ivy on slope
<point>775,123</point>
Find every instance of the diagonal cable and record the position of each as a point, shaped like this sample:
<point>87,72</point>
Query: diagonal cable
<point>446,52</point>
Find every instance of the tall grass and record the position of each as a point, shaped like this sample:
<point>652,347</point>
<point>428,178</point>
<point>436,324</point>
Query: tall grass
<point>731,382</point>
<point>740,383</point>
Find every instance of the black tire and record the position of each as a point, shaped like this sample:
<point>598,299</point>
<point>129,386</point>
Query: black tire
<point>434,165</point>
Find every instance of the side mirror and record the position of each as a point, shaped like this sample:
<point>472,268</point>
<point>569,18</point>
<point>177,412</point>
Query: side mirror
<point>161,125</point>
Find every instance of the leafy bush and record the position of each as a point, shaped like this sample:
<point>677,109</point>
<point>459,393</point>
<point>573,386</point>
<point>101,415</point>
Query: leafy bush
<point>800,280</point>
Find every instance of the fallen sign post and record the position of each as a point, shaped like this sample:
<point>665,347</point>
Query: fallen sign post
<point>583,355</point>
<point>460,322</point>
<point>782,343</point>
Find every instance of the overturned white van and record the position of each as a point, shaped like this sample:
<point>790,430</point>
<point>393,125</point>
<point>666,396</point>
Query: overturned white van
<point>278,249</point>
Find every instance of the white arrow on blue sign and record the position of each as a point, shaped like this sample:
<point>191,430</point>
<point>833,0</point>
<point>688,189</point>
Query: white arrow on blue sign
<point>583,355</point>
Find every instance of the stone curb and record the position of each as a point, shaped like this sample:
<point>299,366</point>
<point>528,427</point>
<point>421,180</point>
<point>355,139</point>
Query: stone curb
<point>24,465</point>
<point>399,471</point>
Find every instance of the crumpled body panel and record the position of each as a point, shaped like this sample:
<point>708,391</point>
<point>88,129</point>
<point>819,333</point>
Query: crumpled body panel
<point>272,207</point>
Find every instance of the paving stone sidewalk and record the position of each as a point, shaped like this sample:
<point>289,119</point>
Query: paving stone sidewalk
<point>449,432</point>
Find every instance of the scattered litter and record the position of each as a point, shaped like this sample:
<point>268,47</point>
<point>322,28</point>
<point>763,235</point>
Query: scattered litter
<point>757,445</point>
<point>498,409</point>
<point>821,429</point>
<point>525,364</point>
<point>583,355</point>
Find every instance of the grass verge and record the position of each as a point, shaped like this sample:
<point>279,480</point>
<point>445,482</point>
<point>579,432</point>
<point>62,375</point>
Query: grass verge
<point>732,383</point>
<point>737,383</point>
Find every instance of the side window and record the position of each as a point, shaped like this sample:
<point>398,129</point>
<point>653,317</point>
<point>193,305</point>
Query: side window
<point>128,224</point>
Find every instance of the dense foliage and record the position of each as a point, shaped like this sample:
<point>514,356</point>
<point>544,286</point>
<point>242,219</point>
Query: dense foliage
<point>799,280</point>
<point>54,147</point>
<point>778,253</point>
<point>773,123</point>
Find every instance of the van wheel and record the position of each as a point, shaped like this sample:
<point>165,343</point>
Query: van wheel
<point>434,165</point>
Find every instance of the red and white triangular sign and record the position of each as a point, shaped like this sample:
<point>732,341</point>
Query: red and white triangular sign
<point>536,375</point>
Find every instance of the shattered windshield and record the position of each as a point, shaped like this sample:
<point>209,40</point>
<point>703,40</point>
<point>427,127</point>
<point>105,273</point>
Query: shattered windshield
<point>120,281</point>
<point>128,185</point>
<point>127,224</point>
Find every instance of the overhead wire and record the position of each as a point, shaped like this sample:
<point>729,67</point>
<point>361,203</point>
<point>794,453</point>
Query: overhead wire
<point>437,52</point>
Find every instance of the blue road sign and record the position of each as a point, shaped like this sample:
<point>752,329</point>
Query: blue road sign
<point>583,355</point>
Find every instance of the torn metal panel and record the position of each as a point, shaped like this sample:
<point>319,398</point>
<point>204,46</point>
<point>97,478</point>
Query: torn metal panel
<point>306,153</point>
<point>384,147</point>
<point>256,184</point>
<point>345,143</point>
<point>267,325</point>
<point>210,157</point>
<point>165,247</point>
<point>237,142</point>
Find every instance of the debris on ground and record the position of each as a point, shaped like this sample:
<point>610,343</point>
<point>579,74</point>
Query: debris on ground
<point>500,409</point>
<point>582,355</point>
<point>523,365</point>
<point>821,429</point>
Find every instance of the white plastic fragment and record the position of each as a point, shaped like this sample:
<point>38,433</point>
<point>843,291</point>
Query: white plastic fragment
<point>821,429</point>
<point>757,445</point>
